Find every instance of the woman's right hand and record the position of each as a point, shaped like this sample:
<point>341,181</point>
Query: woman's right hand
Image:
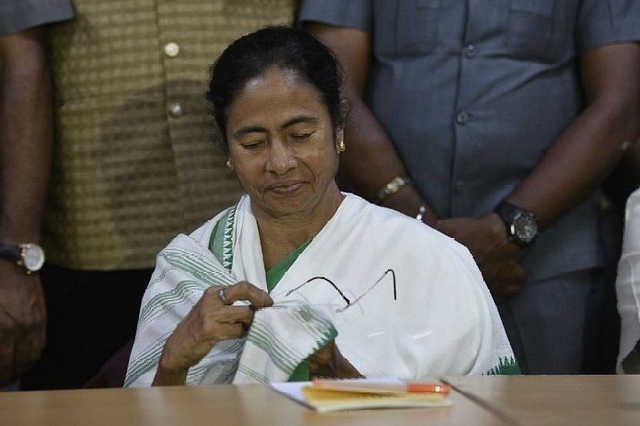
<point>210,321</point>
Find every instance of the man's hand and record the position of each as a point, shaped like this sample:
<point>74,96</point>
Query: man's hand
<point>496,256</point>
<point>22,321</point>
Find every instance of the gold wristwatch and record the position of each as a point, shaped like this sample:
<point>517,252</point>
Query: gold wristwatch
<point>29,256</point>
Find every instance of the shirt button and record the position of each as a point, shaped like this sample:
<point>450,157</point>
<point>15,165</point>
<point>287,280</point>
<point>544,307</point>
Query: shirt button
<point>176,110</point>
<point>459,186</point>
<point>171,49</point>
<point>463,117</point>
<point>470,51</point>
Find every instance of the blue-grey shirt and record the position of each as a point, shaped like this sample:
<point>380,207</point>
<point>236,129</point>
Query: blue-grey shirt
<point>473,93</point>
<point>18,15</point>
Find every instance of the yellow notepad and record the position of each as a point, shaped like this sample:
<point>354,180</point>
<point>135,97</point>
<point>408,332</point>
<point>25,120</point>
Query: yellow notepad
<point>336,395</point>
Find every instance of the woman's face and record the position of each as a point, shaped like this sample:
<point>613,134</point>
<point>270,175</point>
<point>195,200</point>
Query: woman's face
<point>281,143</point>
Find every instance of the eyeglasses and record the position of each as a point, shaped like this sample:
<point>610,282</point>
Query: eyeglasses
<point>348,303</point>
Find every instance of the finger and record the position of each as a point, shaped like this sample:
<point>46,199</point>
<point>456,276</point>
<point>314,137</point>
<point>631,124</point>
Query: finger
<point>325,353</point>
<point>513,290</point>
<point>505,290</point>
<point>7,374</point>
<point>222,295</point>
<point>28,348</point>
<point>244,290</point>
<point>215,332</point>
<point>232,331</point>
<point>232,315</point>
<point>29,345</point>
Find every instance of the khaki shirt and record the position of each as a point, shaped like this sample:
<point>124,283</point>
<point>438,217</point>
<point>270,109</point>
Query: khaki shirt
<point>136,157</point>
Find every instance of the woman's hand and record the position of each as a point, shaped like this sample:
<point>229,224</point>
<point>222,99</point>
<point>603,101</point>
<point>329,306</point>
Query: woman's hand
<point>329,362</point>
<point>210,321</point>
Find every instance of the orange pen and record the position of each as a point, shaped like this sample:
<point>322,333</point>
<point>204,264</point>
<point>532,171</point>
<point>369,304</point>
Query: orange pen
<point>433,388</point>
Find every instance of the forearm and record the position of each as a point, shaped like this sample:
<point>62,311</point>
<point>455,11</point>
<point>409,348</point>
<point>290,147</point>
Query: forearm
<point>167,377</point>
<point>371,160</point>
<point>26,139</point>
<point>588,150</point>
<point>172,370</point>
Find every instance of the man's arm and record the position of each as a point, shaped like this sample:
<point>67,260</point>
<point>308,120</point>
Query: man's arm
<point>589,149</point>
<point>574,167</point>
<point>370,160</point>
<point>25,155</point>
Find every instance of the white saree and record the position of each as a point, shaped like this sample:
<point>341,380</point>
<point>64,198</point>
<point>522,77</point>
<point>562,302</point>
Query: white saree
<point>400,299</point>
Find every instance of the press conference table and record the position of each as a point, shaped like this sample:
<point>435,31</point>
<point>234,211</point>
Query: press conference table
<point>556,400</point>
<point>535,400</point>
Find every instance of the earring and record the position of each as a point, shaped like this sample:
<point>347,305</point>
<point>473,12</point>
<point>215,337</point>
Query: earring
<point>341,146</point>
<point>229,164</point>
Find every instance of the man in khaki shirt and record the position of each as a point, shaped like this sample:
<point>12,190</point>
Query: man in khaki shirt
<point>134,162</point>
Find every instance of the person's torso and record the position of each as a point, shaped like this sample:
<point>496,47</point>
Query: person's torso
<point>473,94</point>
<point>136,157</point>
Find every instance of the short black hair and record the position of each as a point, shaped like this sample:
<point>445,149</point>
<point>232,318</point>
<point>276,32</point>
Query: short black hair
<point>285,47</point>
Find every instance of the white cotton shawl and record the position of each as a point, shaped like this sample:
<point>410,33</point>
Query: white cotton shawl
<point>438,320</point>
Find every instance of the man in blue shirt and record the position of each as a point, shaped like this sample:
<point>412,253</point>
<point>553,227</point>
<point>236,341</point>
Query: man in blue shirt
<point>495,122</point>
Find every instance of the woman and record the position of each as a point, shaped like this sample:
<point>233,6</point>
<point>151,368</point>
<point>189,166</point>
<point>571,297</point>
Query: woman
<point>299,279</point>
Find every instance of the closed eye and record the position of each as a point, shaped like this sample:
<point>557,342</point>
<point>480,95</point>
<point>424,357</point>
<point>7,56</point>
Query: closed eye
<point>301,136</point>
<point>250,146</point>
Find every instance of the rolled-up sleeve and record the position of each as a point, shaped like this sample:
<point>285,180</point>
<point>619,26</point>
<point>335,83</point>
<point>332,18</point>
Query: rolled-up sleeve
<point>602,22</point>
<point>19,15</point>
<point>352,13</point>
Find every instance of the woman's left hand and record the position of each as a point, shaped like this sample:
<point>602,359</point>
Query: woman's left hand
<point>213,319</point>
<point>329,362</point>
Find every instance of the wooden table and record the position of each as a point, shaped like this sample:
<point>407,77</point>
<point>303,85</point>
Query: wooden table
<point>556,400</point>
<point>211,405</point>
<point>478,400</point>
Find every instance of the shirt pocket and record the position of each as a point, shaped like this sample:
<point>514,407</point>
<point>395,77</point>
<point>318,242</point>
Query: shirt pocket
<point>406,27</point>
<point>533,33</point>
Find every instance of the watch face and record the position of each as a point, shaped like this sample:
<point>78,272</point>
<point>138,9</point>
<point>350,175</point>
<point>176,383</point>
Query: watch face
<point>525,227</point>
<point>33,257</point>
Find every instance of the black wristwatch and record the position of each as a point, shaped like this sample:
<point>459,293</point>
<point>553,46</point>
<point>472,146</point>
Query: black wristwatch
<point>29,256</point>
<point>522,225</point>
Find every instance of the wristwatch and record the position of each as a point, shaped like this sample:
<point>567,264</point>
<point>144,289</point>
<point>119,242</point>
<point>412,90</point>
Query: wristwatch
<point>29,256</point>
<point>522,225</point>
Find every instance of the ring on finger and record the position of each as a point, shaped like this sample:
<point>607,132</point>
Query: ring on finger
<point>223,296</point>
